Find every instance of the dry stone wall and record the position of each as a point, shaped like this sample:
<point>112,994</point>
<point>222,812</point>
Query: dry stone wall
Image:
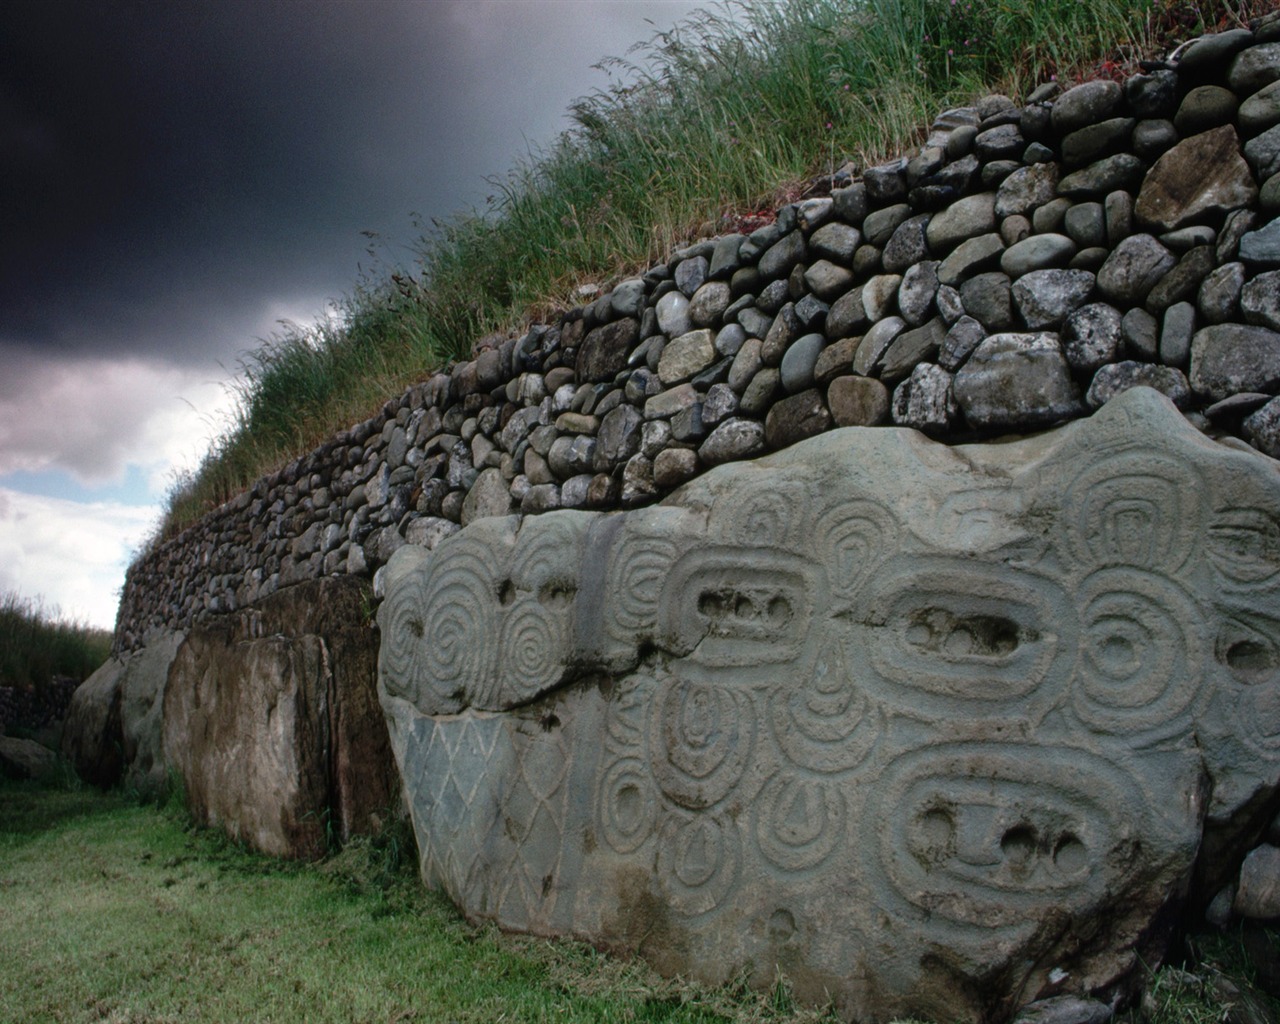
<point>1028,263</point>
<point>35,708</point>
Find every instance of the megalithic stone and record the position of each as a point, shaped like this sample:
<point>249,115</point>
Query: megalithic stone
<point>904,721</point>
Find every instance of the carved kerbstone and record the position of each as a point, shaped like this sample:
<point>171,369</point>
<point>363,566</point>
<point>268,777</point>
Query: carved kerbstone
<point>925,727</point>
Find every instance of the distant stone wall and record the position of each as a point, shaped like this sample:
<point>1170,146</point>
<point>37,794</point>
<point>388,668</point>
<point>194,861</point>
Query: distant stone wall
<point>35,707</point>
<point>1025,265</point>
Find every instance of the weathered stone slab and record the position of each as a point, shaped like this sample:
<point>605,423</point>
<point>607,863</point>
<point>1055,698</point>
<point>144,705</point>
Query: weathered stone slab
<point>114,726</point>
<point>1202,174</point>
<point>92,740</point>
<point>271,719</point>
<point>901,720</point>
<point>142,685</point>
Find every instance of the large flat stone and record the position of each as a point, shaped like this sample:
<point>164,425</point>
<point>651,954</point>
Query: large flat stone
<point>271,719</point>
<point>899,720</point>
<point>142,685</point>
<point>1202,175</point>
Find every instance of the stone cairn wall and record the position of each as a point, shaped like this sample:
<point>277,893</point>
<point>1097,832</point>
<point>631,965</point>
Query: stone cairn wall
<point>34,708</point>
<point>1025,265</point>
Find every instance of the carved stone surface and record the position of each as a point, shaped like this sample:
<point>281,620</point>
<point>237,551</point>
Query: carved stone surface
<point>927,728</point>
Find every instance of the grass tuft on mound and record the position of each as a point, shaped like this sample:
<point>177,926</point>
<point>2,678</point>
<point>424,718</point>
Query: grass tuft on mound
<point>38,644</point>
<point>716,119</point>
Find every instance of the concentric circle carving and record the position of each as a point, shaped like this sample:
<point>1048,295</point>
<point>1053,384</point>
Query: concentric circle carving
<point>765,518</point>
<point>851,539</point>
<point>1243,545</point>
<point>1248,647</point>
<point>700,741</point>
<point>627,805</point>
<point>950,636</point>
<point>799,821</point>
<point>699,858</point>
<point>1142,658</point>
<point>1134,509</point>
<point>637,569</point>
<point>827,724</point>
<point>992,835</point>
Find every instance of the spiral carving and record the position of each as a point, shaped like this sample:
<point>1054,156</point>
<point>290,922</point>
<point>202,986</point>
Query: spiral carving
<point>547,550</point>
<point>458,654</point>
<point>533,646</point>
<point>402,656</point>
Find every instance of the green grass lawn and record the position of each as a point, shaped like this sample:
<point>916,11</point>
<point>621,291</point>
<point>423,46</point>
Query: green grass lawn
<point>110,911</point>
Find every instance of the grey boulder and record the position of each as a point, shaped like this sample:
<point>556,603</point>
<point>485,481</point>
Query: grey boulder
<point>1045,297</point>
<point>1134,267</point>
<point>1117,378</point>
<point>1260,300</point>
<point>981,688</point>
<point>1230,358</point>
<point>1092,337</point>
<point>1016,381</point>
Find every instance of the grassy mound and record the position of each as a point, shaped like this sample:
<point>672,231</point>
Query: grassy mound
<point>37,644</point>
<point>699,127</point>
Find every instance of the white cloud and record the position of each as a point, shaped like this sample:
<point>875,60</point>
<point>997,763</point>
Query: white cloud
<point>71,554</point>
<point>95,417</point>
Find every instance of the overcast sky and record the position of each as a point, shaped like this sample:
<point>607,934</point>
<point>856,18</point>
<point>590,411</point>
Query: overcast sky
<point>177,177</point>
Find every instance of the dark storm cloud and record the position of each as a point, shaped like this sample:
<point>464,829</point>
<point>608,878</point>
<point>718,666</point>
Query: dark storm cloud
<point>171,172</point>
